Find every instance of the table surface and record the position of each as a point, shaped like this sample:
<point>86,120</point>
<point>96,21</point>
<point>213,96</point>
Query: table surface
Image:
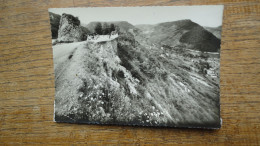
<point>27,79</point>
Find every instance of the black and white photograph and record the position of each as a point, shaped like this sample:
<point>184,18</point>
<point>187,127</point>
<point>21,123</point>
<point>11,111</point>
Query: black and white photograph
<point>137,66</point>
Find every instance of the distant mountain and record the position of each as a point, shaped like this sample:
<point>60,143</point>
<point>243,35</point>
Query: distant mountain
<point>144,26</point>
<point>169,33</point>
<point>90,26</point>
<point>215,30</point>
<point>55,22</point>
<point>182,31</point>
<point>201,39</point>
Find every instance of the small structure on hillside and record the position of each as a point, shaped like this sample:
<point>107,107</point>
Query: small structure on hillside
<point>97,38</point>
<point>92,36</point>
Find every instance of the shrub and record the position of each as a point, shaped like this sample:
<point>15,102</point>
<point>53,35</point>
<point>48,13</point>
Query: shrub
<point>98,28</point>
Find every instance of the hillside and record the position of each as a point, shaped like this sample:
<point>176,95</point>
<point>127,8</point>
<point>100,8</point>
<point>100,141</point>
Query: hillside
<point>182,31</point>
<point>100,81</point>
<point>167,33</point>
<point>165,74</point>
<point>201,40</point>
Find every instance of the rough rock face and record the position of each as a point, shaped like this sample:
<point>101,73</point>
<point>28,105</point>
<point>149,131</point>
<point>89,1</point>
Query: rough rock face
<point>69,29</point>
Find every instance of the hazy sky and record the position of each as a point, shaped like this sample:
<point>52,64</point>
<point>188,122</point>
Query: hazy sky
<point>210,15</point>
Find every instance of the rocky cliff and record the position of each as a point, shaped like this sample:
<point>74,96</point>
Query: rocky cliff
<point>69,29</point>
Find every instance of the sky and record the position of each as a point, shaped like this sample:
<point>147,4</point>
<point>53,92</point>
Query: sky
<point>207,15</point>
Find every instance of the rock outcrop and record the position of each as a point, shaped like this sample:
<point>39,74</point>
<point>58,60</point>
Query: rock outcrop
<point>69,29</point>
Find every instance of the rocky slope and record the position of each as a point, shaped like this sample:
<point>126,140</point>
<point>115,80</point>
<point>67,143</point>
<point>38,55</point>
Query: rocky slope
<point>69,29</point>
<point>122,81</point>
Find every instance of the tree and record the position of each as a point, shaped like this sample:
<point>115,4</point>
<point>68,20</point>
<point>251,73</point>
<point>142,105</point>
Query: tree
<point>98,28</point>
<point>106,29</point>
<point>117,29</point>
<point>112,27</point>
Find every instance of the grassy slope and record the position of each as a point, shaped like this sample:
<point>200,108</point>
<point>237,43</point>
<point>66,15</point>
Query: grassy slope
<point>123,81</point>
<point>172,86</point>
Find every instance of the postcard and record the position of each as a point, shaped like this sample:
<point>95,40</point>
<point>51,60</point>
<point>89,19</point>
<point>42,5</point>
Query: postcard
<point>142,66</point>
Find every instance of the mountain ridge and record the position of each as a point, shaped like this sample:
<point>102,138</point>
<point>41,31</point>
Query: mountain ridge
<point>166,33</point>
<point>170,33</point>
